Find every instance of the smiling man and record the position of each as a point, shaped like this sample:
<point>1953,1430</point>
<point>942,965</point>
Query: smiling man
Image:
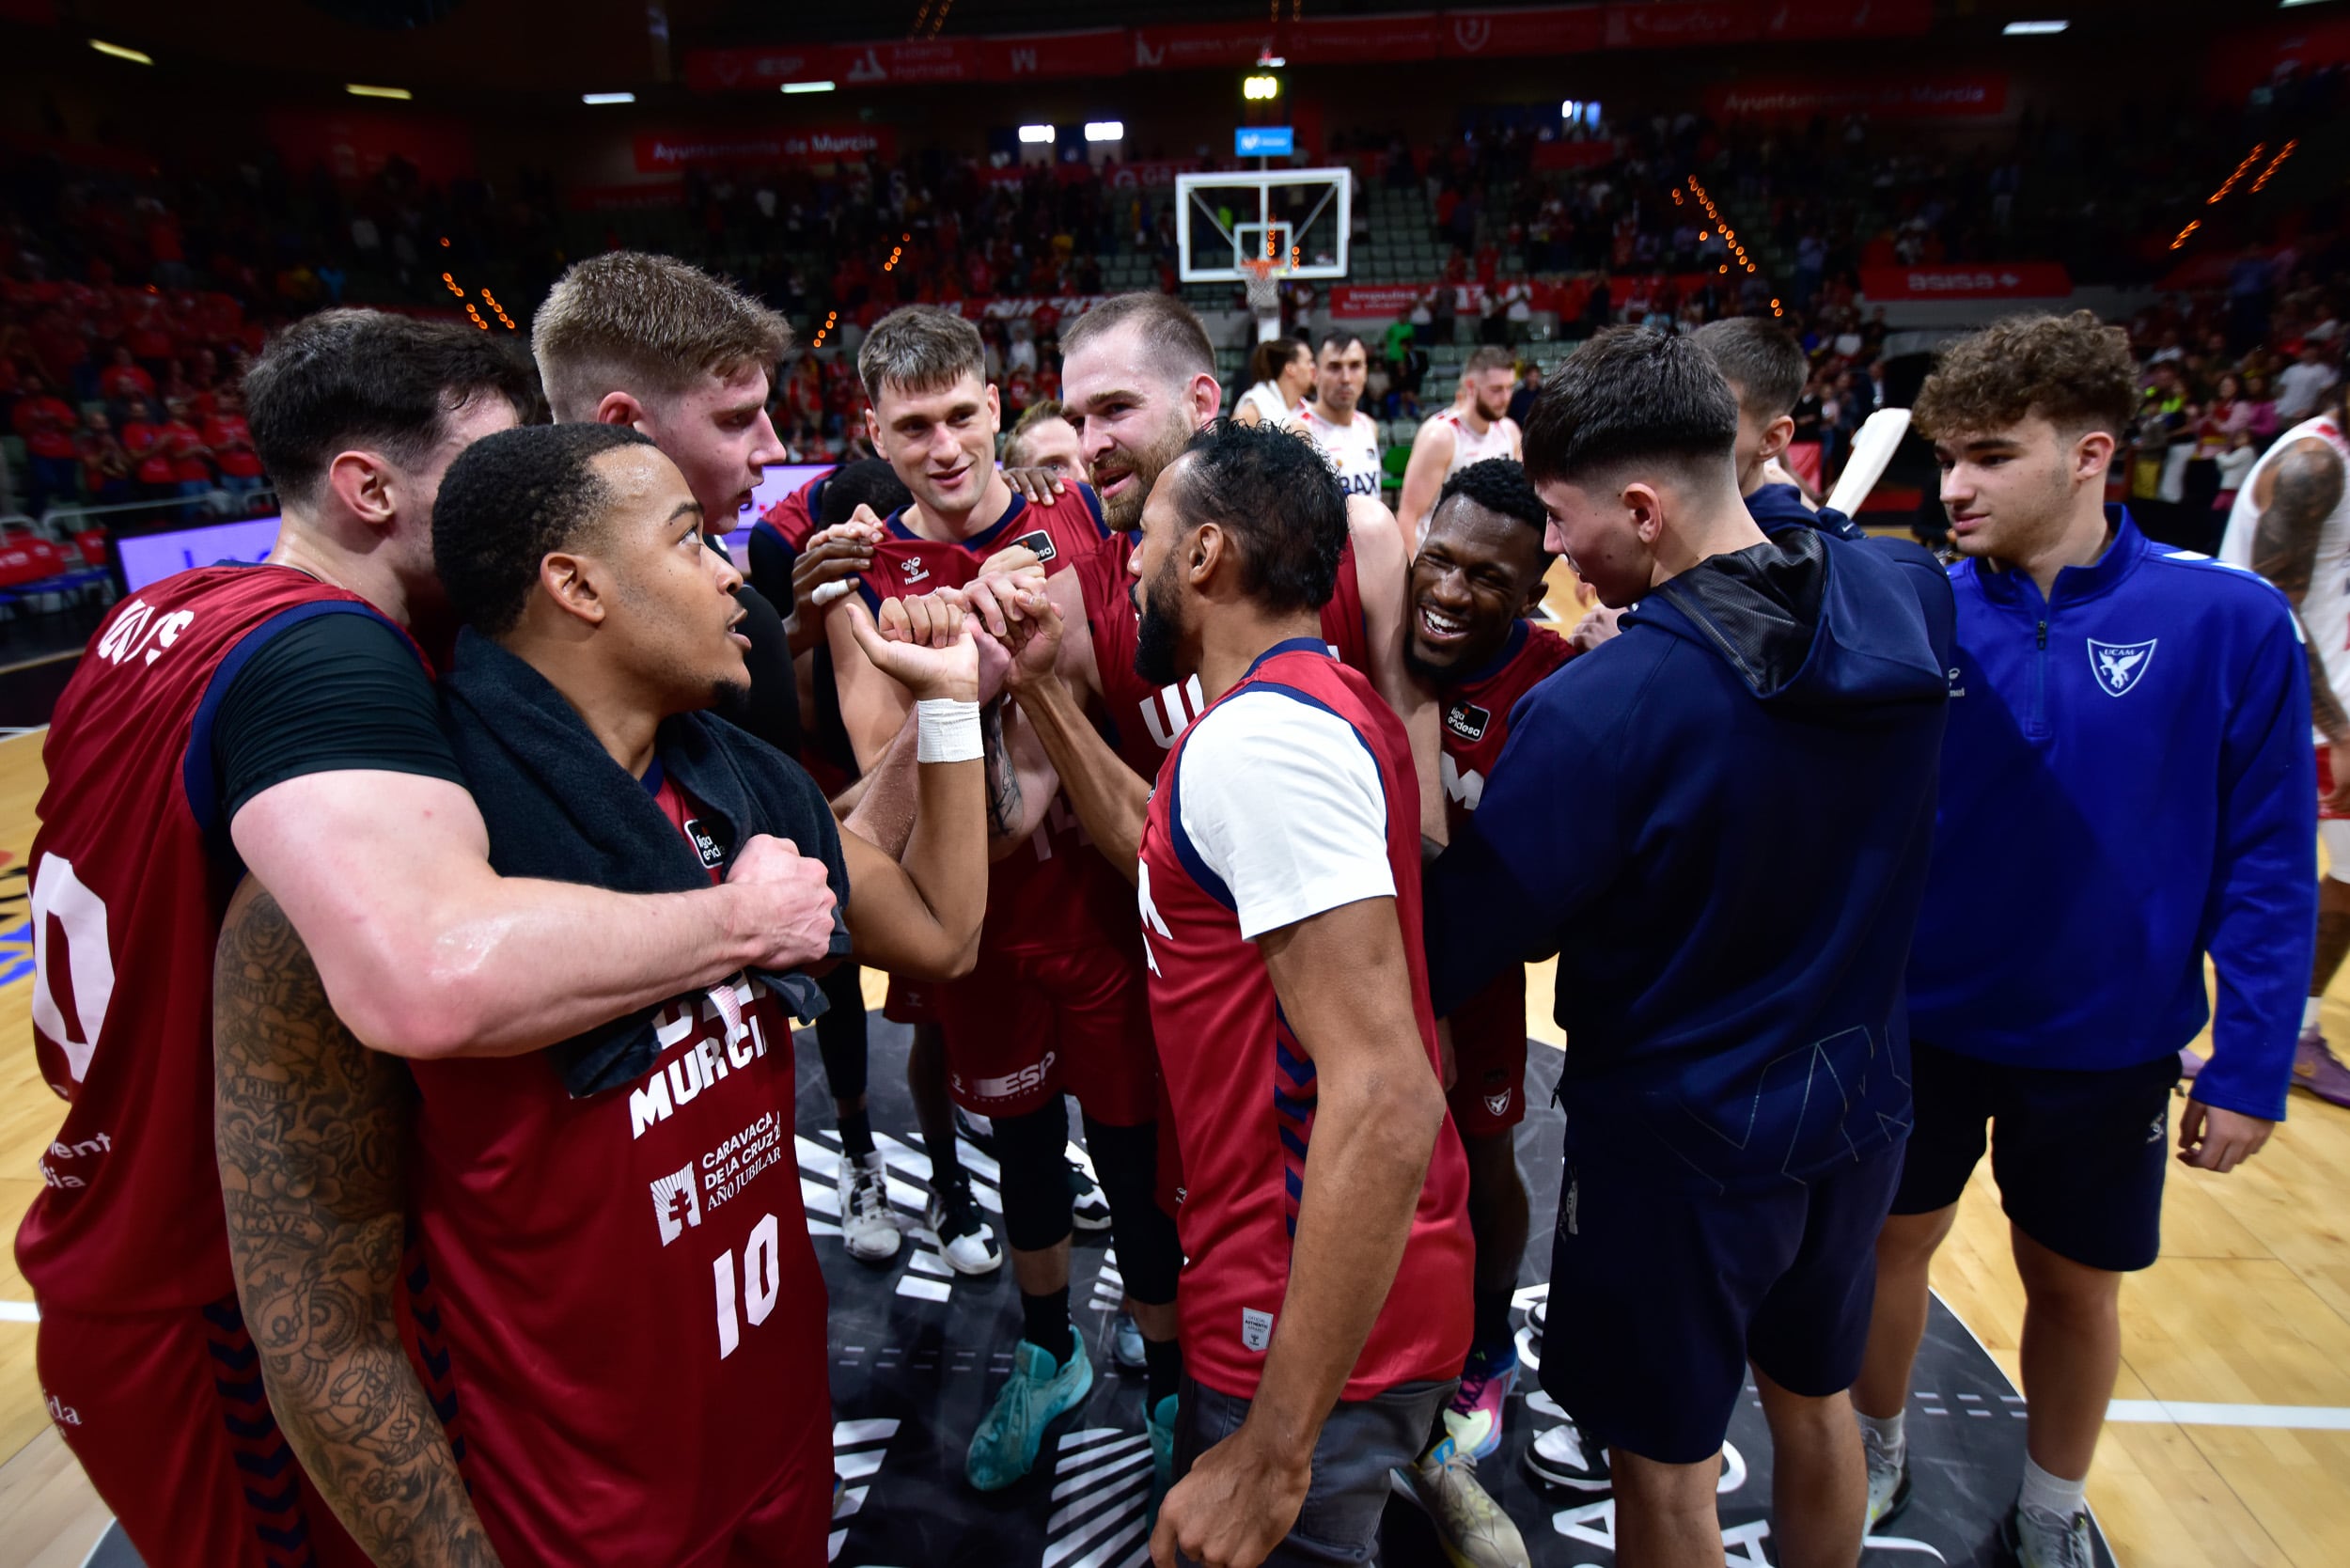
<point>2138,717</point>
<point>1729,971</point>
<point>1056,1004</point>
<point>1476,579</point>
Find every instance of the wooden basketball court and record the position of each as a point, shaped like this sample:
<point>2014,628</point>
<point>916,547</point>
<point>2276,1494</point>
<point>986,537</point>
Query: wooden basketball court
<point>2230,1442</point>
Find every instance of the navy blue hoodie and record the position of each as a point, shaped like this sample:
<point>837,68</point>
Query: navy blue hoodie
<point>1776,507</point>
<point>2127,784</point>
<point>1721,821</point>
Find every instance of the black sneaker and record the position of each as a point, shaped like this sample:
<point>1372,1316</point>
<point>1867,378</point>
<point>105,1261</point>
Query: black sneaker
<point>965,1240</point>
<point>1089,1210</point>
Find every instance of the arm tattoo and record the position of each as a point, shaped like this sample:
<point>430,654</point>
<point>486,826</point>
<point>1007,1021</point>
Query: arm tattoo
<point>1003,777</point>
<point>309,1127</point>
<point>2308,488</point>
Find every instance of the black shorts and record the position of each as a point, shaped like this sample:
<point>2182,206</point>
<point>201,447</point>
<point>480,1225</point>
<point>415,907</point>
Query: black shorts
<point>2079,1156</point>
<point>1659,1298</point>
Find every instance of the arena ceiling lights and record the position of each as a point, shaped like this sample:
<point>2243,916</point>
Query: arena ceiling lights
<point>607,98</point>
<point>2026,29</point>
<point>1034,134</point>
<point>359,90</point>
<point>1106,130</point>
<point>808,87</point>
<point>121,52</point>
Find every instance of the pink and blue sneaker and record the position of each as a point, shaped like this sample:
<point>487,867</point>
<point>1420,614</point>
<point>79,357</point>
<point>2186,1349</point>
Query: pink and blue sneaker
<point>1475,1413</point>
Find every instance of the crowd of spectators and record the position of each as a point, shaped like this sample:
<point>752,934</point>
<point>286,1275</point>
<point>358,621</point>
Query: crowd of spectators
<point>2223,374</point>
<point>129,300</point>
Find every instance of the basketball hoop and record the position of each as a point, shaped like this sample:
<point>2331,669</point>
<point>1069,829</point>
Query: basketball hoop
<point>1260,277</point>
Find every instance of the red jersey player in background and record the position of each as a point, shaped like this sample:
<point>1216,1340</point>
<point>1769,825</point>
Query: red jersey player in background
<point>1278,873</point>
<point>1476,579</point>
<point>279,716</point>
<point>1140,375</point>
<point>1057,1003</point>
<point>698,1431</point>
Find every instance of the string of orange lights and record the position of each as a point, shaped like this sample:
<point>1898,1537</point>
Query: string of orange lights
<point>2236,178</point>
<point>1730,235</point>
<point>472,313</point>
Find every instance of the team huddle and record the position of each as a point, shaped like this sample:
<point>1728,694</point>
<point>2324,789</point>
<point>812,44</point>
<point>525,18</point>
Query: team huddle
<point>408,907</point>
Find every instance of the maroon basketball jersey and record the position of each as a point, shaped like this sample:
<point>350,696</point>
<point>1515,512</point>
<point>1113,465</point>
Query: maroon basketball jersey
<point>1477,711</point>
<point>1242,1087</point>
<point>1145,719</point>
<point>1053,893</point>
<point>130,876</point>
<point>794,518</point>
<point>633,1316</point>
<point>1476,724</point>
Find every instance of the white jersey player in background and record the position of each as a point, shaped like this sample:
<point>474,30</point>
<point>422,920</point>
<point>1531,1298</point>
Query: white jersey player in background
<point>2292,524</point>
<point>1478,426</point>
<point>1347,436</point>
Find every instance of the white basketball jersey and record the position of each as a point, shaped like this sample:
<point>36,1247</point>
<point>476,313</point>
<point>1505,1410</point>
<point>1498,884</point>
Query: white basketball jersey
<point>2326,607</point>
<point>1352,448</point>
<point>1265,399</point>
<point>1500,440</point>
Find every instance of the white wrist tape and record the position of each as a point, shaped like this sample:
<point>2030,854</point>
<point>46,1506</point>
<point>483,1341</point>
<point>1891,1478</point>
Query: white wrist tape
<point>826,592</point>
<point>946,730</point>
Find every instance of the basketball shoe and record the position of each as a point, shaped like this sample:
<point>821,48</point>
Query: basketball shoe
<point>965,1240</point>
<point>866,1228</point>
<point>1004,1449</point>
<point>1475,1414</point>
<point>1470,1525</point>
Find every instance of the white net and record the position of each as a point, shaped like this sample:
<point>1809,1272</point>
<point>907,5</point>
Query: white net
<point>1263,282</point>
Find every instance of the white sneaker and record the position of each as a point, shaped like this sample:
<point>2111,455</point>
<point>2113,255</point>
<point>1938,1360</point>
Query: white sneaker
<point>867,1227</point>
<point>1470,1527</point>
<point>2037,1540</point>
<point>965,1240</point>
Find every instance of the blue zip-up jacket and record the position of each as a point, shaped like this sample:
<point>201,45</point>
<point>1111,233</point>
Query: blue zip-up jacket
<point>2128,783</point>
<point>1720,821</point>
<point>1775,506</point>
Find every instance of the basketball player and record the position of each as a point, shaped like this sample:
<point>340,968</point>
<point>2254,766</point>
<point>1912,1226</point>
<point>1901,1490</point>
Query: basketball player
<point>1477,427</point>
<point>2115,708</point>
<point>660,346</point>
<point>1347,436</point>
<point>600,625</point>
<point>1140,377</point>
<point>1323,1323</point>
<point>1766,371</point>
<point>1044,439</point>
<point>1716,1210</point>
<point>281,716</point>
<point>2291,525</point>
<point>1057,1003</point>
<point>1280,373</point>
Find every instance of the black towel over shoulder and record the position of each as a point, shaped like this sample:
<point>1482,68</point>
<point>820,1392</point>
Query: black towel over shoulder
<point>558,806</point>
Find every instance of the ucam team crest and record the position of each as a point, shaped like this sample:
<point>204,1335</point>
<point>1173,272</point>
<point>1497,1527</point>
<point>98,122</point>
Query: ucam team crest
<point>2121,665</point>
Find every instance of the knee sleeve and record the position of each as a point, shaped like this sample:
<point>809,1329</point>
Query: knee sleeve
<point>1032,1151</point>
<point>1125,1161</point>
<point>840,1031</point>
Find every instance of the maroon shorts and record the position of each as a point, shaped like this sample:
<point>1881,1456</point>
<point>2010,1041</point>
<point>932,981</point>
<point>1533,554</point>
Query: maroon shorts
<point>167,1414</point>
<point>1488,1094</point>
<point>1022,1029</point>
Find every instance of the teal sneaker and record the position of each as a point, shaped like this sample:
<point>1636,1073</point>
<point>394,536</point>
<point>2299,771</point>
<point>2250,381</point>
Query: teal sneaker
<point>1003,1450</point>
<point>1159,1421</point>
